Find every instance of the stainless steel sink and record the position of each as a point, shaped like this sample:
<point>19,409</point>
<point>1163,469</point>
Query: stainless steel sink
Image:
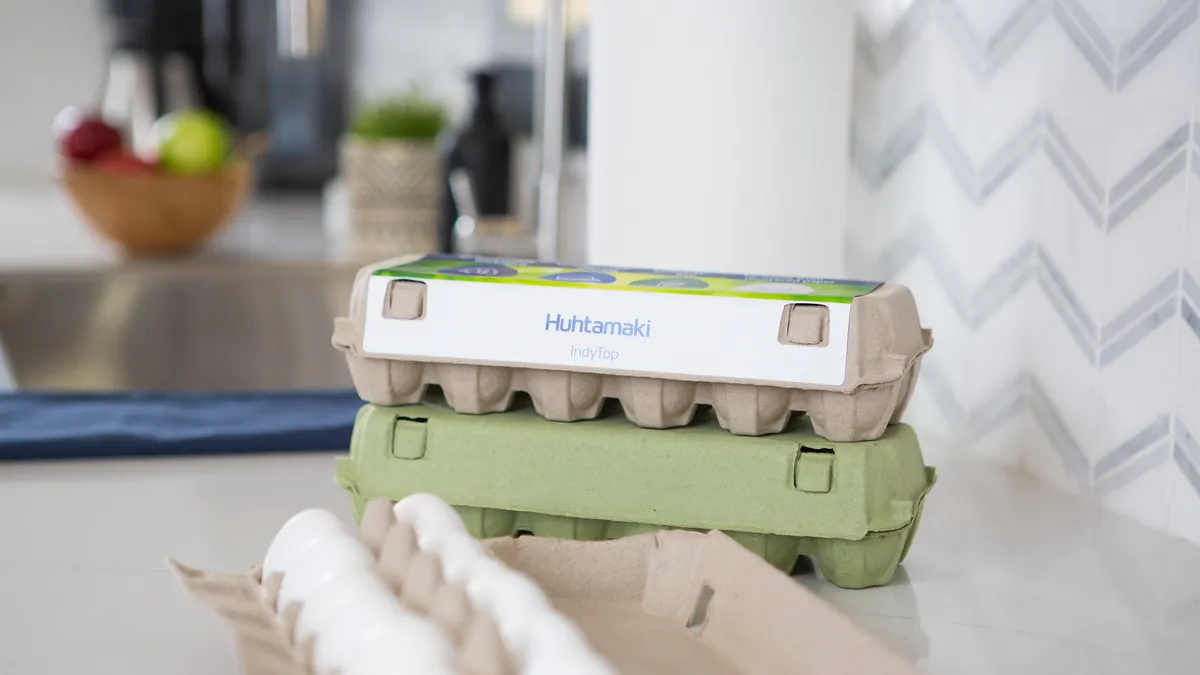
<point>185,326</point>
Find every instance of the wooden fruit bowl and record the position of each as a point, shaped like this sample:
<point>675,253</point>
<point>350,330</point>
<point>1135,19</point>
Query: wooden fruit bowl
<point>160,214</point>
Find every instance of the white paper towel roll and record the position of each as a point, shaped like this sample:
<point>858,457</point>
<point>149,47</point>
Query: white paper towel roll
<point>718,134</point>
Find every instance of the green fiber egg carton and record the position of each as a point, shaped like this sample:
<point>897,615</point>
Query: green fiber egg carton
<point>851,507</point>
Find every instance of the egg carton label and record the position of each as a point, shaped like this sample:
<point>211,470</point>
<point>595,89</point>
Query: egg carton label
<point>525,319</point>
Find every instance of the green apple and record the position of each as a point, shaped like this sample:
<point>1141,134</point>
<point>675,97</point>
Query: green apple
<point>192,141</point>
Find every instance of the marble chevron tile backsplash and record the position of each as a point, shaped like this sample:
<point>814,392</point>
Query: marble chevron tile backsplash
<point>1032,169</point>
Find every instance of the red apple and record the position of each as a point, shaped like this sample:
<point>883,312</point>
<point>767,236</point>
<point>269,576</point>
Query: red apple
<point>91,139</point>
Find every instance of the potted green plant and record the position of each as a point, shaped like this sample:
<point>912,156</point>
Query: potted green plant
<point>391,168</point>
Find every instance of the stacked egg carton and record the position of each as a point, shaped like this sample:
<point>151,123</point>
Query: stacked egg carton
<point>413,593</point>
<point>844,483</point>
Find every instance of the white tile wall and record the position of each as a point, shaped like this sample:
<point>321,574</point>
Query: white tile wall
<point>1183,517</point>
<point>1031,168</point>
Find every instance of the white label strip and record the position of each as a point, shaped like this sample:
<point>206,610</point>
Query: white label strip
<point>706,338</point>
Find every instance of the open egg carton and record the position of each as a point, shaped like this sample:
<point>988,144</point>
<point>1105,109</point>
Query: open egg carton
<point>756,349</point>
<point>413,593</point>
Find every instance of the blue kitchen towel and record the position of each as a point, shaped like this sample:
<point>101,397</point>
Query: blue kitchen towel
<point>74,426</point>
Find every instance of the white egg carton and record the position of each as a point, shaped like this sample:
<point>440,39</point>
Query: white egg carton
<point>666,602</point>
<point>756,349</point>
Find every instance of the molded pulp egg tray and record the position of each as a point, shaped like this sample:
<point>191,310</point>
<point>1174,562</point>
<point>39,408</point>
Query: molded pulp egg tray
<point>652,604</point>
<point>852,507</point>
<point>661,342</point>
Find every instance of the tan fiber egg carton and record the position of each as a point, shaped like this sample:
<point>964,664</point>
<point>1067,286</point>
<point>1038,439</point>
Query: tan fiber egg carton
<point>266,632</point>
<point>756,349</point>
<point>652,604</point>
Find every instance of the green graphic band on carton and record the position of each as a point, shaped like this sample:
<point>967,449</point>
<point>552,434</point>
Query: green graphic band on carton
<point>554,275</point>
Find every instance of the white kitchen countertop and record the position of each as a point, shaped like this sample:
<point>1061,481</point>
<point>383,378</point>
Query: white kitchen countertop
<point>991,586</point>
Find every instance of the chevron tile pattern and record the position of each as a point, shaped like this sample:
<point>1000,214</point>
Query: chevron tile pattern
<point>1176,296</point>
<point>1162,439</point>
<point>1032,169</point>
<point>1041,135</point>
<point>1115,66</point>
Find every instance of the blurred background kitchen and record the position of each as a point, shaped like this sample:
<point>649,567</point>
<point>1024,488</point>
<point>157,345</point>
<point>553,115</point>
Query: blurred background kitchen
<point>365,108</point>
<point>1028,167</point>
<point>260,70</point>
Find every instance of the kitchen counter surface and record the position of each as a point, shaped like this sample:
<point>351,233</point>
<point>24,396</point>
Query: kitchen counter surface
<point>991,586</point>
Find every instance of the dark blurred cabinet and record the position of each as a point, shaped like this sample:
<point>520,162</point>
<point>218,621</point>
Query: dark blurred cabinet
<point>300,102</point>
